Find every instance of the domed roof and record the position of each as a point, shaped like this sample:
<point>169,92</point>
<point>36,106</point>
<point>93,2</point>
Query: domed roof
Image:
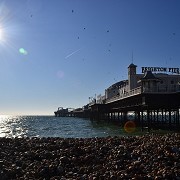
<point>132,65</point>
<point>118,84</point>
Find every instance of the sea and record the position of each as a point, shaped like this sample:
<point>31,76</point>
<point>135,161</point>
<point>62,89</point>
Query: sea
<point>50,126</point>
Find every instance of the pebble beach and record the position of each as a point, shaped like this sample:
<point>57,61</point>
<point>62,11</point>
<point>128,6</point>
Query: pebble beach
<point>150,156</point>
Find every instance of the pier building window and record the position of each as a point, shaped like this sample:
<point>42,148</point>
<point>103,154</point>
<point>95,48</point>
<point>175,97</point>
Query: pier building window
<point>172,82</point>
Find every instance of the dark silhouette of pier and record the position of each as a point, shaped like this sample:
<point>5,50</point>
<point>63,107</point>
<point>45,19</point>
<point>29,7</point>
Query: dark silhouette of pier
<point>148,110</point>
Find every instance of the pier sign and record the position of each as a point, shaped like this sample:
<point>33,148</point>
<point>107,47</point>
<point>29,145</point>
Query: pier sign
<point>161,69</point>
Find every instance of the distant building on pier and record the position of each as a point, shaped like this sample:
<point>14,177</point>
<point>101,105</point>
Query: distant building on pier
<point>152,79</point>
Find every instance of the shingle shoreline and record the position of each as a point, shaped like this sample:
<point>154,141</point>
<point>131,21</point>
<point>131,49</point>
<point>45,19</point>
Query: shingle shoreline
<point>133,157</point>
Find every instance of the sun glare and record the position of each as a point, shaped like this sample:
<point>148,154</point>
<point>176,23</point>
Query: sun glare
<point>1,35</point>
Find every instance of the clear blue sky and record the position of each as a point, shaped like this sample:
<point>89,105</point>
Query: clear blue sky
<point>74,49</point>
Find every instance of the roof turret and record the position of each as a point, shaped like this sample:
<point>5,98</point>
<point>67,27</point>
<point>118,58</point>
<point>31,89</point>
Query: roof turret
<point>149,76</point>
<point>132,65</point>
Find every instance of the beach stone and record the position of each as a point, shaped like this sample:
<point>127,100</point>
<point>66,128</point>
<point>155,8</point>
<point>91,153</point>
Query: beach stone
<point>104,149</point>
<point>133,157</point>
<point>64,160</point>
<point>60,170</point>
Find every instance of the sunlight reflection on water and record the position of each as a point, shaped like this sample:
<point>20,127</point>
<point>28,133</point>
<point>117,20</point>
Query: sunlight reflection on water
<point>12,126</point>
<point>49,126</point>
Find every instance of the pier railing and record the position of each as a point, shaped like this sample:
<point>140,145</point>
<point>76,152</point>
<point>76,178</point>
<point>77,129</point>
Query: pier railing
<point>139,90</point>
<point>124,95</point>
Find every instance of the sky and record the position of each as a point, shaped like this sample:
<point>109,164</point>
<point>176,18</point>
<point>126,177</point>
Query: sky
<point>59,53</point>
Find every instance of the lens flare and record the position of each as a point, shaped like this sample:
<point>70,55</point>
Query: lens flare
<point>60,74</point>
<point>23,51</point>
<point>130,126</point>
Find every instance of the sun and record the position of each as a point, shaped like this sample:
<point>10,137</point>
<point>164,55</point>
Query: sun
<point>1,34</point>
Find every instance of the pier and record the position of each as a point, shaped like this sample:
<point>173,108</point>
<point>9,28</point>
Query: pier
<point>151,110</point>
<point>150,100</point>
<point>71,112</point>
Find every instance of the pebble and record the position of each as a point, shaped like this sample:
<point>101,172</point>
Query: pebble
<point>149,156</point>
